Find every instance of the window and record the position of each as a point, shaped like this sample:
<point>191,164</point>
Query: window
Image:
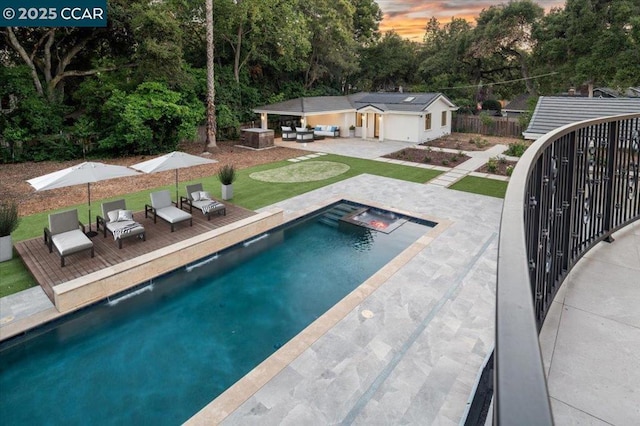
<point>427,121</point>
<point>444,118</point>
<point>358,119</point>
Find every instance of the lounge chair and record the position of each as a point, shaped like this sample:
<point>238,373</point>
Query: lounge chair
<point>201,200</point>
<point>162,207</point>
<point>65,235</point>
<point>288,134</point>
<point>119,222</point>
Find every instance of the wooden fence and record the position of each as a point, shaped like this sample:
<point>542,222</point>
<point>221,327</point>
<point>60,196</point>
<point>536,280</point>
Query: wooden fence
<point>499,126</point>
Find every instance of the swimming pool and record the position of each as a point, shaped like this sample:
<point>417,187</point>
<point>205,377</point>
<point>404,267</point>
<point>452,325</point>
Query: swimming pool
<point>160,356</point>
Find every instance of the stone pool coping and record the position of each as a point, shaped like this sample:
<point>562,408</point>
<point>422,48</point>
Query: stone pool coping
<point>230,400</point>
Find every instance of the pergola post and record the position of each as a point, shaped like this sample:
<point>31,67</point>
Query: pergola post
<point>263,120</point>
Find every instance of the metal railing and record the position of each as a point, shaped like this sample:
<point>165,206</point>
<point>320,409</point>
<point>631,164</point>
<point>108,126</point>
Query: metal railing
<point>571,189</point>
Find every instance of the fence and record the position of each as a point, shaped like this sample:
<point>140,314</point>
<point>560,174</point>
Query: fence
<point>487,125</point>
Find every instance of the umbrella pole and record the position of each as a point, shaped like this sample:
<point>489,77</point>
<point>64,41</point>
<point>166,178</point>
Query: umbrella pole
<point>177,188</point>
<point>90,233</point>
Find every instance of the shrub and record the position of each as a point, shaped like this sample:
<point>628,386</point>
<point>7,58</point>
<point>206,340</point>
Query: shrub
<point>427,159</point>
<point>509,170</point>
<point>492,165</point>
<point>445,162</point>
<point>491,104</point>
<point>516,149</point>
<point>9,218</point>
<point>227,174</point>
<point>486,119</point>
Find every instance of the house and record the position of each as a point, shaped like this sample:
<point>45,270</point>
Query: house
<point>408,117</point>
<point>556,111</point>
<point>519,105</point>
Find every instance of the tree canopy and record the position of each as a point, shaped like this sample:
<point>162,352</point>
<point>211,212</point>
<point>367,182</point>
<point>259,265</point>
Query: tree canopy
<point>140,85</point>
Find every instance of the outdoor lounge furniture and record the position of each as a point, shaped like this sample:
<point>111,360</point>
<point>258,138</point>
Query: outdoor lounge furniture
<point>288,134</point>
<point>162,207</point>
<point>304,135</point>
<point>200,199</point>
<point>322,130</point>
<point>65,235</point>
<point>119,222</point>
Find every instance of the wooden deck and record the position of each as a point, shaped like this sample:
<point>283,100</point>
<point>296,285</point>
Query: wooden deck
<point>46,269</point>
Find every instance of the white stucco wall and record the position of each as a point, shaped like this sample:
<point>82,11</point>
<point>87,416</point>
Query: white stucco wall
<point>437,129</point>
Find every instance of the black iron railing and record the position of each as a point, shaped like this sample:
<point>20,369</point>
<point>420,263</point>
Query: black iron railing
<point>572,189</point>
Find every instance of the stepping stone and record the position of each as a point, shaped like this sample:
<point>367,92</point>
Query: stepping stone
<point>293,160</point>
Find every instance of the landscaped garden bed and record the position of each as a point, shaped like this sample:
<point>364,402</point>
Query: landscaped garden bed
<point>498,166</point>
<point>469,141</point>
<point>429,156</point>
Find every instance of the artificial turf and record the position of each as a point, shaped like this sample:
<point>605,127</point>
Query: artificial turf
<point>483,186</point>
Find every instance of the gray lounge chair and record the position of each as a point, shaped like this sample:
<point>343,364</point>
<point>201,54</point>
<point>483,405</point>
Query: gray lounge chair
<point>162,207</point>
<point>113,222</point>
<point>207,207</point>
<point>288,134</point>
<point>65,235</point>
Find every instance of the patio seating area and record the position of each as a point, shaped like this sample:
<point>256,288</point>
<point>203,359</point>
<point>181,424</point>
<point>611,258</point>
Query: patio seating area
<point>47,271</point>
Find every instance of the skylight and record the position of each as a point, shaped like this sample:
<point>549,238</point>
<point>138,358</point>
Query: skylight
<point>409,99</point>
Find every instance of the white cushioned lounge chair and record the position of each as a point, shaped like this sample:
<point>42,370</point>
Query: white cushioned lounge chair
<point>201,200</point>
<point>162,207</point>
<point>65,235</point>
<point>119,222</point>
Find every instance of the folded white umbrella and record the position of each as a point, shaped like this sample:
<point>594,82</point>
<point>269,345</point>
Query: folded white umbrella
<point>87,172</point>
<point>172,161</point>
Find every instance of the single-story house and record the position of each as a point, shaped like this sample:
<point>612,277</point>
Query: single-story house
<point>519,105</point>
<point>556,111</point>
<point>409,117</point>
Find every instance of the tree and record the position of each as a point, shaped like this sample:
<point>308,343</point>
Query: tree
<point>504,32</point>
<point>211,88</point>
<point>399,67</point>
<point>595,42</point>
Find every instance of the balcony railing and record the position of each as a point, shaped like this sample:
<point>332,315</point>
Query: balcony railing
<point>572,189</point>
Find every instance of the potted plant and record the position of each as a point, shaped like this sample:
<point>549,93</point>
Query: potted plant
<point>352,131</point>
<point>226,175</point>
<point>9,221</point>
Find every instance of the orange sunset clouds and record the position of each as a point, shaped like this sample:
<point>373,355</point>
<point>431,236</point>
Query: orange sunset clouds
<point>409,18</point>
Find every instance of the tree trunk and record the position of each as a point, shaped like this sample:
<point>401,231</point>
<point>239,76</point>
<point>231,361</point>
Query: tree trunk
<point>211,87</point>
<point>236,60</point>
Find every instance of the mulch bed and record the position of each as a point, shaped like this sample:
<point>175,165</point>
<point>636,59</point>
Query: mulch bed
<point>13,185</point>
<point>469,141</point>
<point>433,157</point>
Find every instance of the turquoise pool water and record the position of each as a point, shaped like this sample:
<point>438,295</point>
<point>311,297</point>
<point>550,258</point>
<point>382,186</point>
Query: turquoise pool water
<point>160,355</point>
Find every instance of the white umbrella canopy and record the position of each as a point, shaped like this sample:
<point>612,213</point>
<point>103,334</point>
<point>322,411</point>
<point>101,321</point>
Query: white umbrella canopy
<point>173,161</point>
<point>87,172</point>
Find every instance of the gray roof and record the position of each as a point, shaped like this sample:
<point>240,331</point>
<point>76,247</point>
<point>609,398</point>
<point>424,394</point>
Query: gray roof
<point>556,111</point>
<point>520,103</point>
<point>411,102</point>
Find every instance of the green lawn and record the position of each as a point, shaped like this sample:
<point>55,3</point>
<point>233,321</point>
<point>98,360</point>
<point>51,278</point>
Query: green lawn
<point>483,186</point>
<point>248,193</point>
<point>15,277</point>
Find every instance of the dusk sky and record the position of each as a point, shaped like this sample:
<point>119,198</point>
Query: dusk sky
<point>409,17</point>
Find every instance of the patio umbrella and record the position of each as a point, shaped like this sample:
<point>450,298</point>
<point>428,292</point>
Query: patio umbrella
<point>79,174</point>
<point>172,161</point>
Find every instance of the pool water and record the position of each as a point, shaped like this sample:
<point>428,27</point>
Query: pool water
<point>160,356</point>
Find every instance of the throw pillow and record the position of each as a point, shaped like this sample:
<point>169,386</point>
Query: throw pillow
<point>195,196</point>
<point>318,128</point>
<point>113,215</point>
<point>124,215</point>
<point>286,128</point>
<point>300,129</point>
<point>204,196</point>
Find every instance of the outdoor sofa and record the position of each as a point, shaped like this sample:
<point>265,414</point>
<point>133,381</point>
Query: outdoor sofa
<point>119,222</point>
<point>65,235</point>
<point>330,131</point>
<point>201,200</point>
<point>162,207</point>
